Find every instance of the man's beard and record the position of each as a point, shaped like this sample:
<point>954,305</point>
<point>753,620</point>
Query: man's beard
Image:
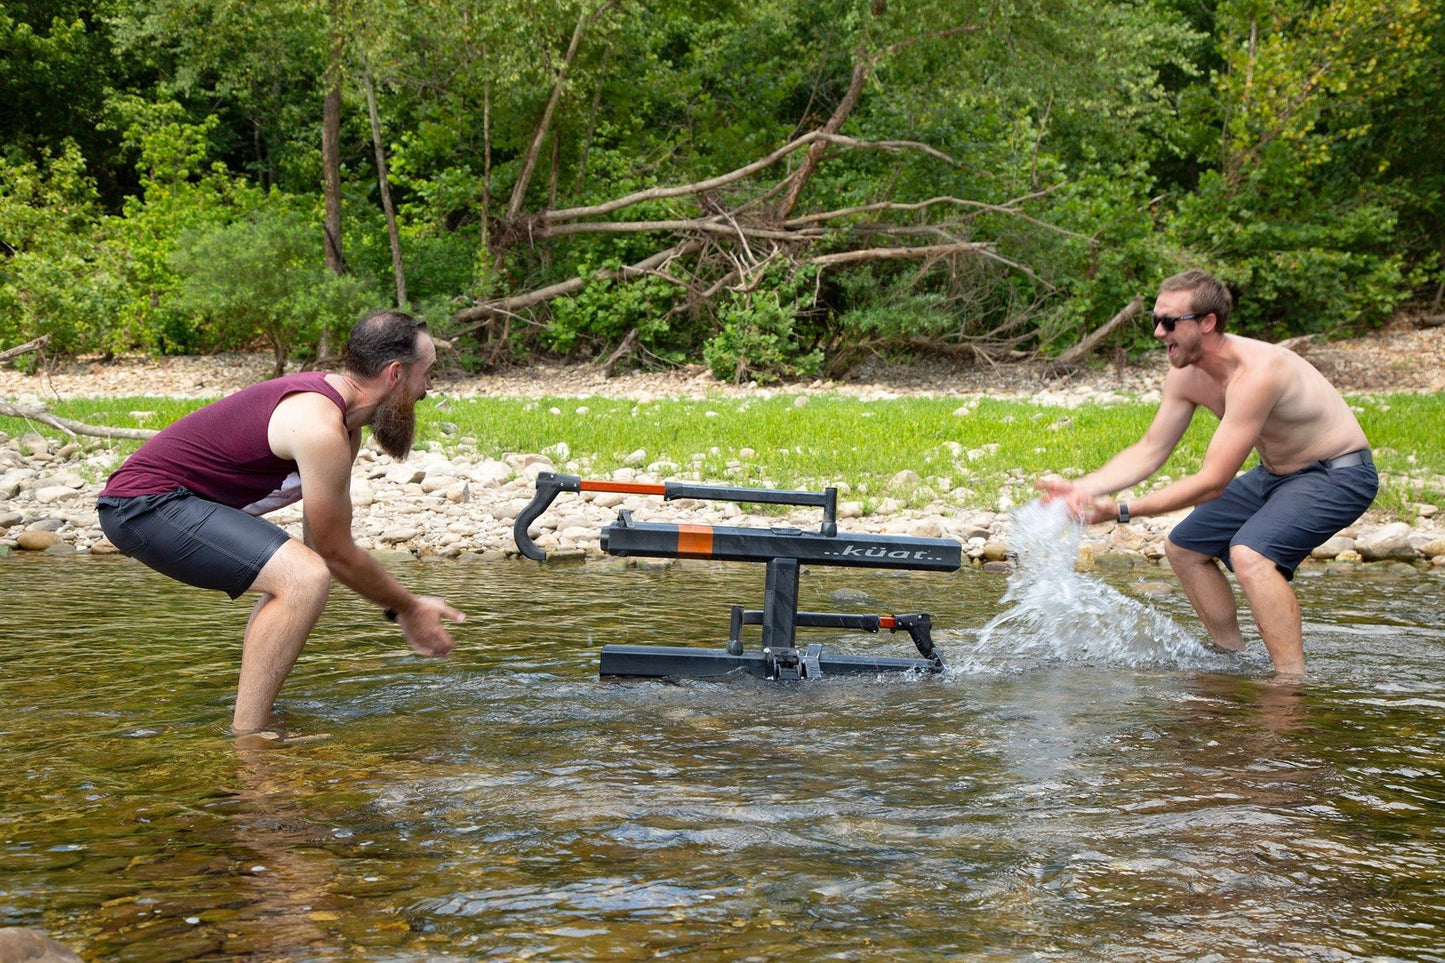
<point>393,424</point>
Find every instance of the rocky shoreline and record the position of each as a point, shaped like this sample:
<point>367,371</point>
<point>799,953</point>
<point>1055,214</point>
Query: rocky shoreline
<point>465,505</point>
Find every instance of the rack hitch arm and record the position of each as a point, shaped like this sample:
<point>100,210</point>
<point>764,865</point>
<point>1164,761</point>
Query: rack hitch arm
<point>551,484</point>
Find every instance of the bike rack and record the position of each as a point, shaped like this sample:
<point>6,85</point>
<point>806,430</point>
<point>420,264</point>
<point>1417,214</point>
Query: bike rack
<point>783,550</point>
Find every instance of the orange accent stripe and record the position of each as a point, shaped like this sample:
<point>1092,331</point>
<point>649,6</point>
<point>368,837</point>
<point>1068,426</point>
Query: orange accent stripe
<point>886,621</point>
<point>634,488</point>
<point>694,540</point>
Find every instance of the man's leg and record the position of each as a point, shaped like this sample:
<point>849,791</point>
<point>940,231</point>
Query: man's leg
<point>1276,610</point>
<point>1210,594</point>
<point>1300,512</point>
<point>294,585</point>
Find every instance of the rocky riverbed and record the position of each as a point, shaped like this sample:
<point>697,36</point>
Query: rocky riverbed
<point>466,504</point>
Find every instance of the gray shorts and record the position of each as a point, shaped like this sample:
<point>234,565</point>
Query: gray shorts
<point>190,539</point>
<point>1282,517</point>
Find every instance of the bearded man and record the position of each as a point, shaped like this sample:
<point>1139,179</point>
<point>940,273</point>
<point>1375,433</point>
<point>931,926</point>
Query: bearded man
<point>188,502</point>
<point>1315,473</point>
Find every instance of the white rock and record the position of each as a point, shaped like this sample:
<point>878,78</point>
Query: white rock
<point>1386,542</point>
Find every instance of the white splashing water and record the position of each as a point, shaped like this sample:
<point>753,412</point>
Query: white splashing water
<point>1058,614</point>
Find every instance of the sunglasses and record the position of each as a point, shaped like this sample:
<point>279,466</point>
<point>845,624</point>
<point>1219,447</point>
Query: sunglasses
<point>1168,323</point>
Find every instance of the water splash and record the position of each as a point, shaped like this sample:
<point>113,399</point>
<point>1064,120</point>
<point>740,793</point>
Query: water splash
<point>1057,614</point>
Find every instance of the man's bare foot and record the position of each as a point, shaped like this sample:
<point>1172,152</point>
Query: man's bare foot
<point>271,739</point>
<point>1214,646</point>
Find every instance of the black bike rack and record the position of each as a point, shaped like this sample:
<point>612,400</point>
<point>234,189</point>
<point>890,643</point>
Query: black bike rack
<point>783,550</point>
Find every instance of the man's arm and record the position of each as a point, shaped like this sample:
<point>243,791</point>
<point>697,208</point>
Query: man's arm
<point>308,428</point>
<point>1248,401</point>
<point>1134,463</point>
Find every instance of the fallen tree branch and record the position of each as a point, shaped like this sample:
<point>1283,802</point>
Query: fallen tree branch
<point>733,176</point>
<point>479,314</point>
<point>702,225</point>
<point>627,347</point>
<point>25,348</point>
<point>1009,208</point>
<point>914,252</point>
<point>74,427</point>
<point>1078,352</point>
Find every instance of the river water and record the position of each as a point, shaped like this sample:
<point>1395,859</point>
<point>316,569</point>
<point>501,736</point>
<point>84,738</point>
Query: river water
<point>1092,786</point>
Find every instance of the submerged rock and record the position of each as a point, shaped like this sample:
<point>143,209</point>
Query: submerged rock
<point>20,944</point>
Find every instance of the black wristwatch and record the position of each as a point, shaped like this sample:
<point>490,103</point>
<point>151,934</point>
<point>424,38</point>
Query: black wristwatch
<point>390,615</point>
<point>1123,513</point>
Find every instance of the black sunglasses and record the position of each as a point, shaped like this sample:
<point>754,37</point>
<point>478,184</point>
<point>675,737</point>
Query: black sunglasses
<point>1169,323</point>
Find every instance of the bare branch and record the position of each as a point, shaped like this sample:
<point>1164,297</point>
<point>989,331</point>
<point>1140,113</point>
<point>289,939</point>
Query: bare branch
<point>862,69</point>
<point>1007,208</point>
<point>706,225</point>
<point>627,347</point>
<point>915,252</point>
<point>685,190</point>
<point>73,427</point>
<point>25,348</point>
<point>544,123</point>
<point>480,314</point>
<point>1079,351</point>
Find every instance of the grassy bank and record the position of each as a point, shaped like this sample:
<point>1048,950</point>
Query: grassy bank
<point>966,451</point>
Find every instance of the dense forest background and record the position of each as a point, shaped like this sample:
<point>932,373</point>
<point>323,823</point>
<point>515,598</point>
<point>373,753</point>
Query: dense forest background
<point>776,188</point>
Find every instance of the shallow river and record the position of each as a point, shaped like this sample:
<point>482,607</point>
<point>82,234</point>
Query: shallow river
<point>1096,798</point>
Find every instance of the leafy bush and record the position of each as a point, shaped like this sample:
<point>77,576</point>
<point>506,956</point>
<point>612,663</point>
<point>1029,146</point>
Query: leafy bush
<point>1303,265</point>
<point>48,281</point>
<point>261,276</point>
<point>758,340</point>
<point>603,313</point>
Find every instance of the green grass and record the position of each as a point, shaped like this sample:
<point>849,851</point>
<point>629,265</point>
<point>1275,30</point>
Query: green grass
<point>966,451</point>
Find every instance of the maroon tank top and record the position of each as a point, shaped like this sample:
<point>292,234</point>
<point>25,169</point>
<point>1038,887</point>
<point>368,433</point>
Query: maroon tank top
<point>220,452</point>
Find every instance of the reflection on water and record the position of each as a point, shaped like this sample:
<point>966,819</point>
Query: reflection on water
<point>506,804</point>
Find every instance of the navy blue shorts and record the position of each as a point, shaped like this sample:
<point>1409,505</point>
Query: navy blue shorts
<point>190,539</point>
<point>1282,517</point>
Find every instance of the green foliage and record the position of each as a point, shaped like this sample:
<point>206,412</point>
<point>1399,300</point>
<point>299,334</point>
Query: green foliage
<point>52,279</point>
<point>260,277</point>
<point>1319,268</point>
<point>605,311</point>
<point>1311,247</point>
<point>759,340</point>
<point>1087,148</point>
<point>890,312</point>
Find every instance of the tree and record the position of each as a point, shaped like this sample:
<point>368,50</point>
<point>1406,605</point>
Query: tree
<point>260,276</point>
<point>1283,215</point>
<point>816,198</point>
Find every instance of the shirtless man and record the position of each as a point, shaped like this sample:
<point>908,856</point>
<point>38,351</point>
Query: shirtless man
<point>1315,475</point>
<point>188,502</point>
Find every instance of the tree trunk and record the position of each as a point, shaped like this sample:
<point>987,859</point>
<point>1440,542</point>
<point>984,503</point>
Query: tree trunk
<point>1078,352</point>
<point>383,182</point>
<point>331,148</point>
<point>331,159</point>
<point>544,123</point>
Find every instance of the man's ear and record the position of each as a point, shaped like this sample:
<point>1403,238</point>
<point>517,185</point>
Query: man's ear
<point>394,373</point>
<point>1211,319</point>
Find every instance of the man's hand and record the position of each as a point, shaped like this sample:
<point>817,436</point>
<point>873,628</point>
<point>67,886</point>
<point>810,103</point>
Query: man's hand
<point>1075,499</point>
<point>422,625</point>
<point>1087,509</point>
